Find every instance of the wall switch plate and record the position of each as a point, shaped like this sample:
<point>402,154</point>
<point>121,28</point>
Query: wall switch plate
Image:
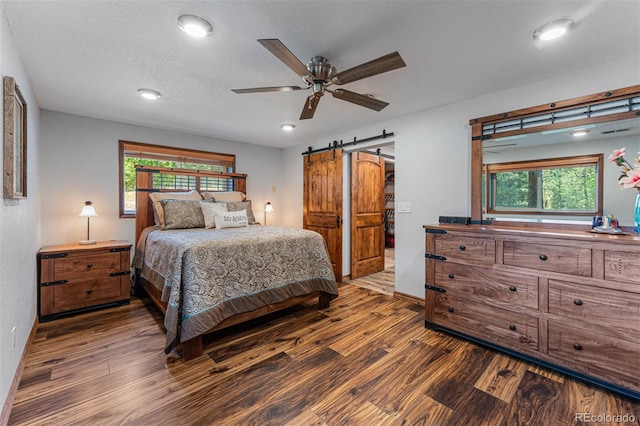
<point>404,207</point>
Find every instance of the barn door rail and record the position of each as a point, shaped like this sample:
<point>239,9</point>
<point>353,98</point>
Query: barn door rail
<point>336,144</point>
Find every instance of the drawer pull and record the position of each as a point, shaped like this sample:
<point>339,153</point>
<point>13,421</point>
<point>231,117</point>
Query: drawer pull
<point>89,265</point>
<point>462,248</point>
<point>512,288</point>
<point>577,302</point>
<point>450,309</point>
<point>577,346</point>
<point>89,291</point>
<point>451,276</point>
<point>512,327</point>
<point>543,257</point>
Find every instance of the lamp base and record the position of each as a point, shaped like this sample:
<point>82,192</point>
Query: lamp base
<point>86,242</point>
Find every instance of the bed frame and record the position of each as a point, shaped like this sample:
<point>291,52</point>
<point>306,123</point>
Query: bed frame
<point>152,180</point>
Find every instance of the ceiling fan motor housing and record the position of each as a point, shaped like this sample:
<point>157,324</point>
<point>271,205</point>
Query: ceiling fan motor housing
<point>321,69</point>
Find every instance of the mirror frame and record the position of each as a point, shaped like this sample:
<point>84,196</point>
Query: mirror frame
<point>477,136</point>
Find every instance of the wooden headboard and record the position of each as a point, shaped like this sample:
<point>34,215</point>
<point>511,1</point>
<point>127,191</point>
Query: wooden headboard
<point>160,179</point>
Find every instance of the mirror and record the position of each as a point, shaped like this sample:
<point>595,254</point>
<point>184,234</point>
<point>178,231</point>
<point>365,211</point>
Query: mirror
<point>600,138</point>
<point>543,132</point>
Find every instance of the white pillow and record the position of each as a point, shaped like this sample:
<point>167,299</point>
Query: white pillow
<point>231,219</point>
<point>156,197</point>
<point>225,195</point>
<point>208,211</point>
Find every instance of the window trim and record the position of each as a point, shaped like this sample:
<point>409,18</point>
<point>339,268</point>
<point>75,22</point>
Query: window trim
<point>596,160</point>
<point>166,152</point>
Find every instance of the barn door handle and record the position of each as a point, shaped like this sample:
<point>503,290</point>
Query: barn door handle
<point>338,221</point>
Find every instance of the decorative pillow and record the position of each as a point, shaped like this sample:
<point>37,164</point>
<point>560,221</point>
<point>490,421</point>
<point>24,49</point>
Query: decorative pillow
<point>235,206</point>
<point>208,210</point>
<point>156,197</point>
<point>225,196</point>
<point>182,214</point>
<point>236,219</point>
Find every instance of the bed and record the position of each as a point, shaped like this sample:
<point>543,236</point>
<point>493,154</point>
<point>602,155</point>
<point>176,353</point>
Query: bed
<point>208,278</point>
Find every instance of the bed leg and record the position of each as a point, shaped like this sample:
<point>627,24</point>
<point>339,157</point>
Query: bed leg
<point>323,300</point>
<point>192,348</point>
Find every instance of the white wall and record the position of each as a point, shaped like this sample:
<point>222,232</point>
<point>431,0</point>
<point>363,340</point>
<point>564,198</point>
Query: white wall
<point>18,231</point>
<point>432,151</point>
<point>79,162</point>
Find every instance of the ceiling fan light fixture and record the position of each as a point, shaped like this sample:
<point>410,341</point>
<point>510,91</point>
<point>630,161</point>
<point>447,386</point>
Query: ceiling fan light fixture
<point>287,127</point>
<point>150,94</point>
<point>195,26</point>
<point>553,30</point>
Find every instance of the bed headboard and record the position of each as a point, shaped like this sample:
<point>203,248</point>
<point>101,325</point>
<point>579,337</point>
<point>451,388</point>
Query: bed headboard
<point>160,179</point>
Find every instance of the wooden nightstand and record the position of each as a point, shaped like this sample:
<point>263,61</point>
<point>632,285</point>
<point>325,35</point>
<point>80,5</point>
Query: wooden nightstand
<point>74,278</point>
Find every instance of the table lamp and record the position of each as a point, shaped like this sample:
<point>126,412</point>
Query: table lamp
<point>88,211</point>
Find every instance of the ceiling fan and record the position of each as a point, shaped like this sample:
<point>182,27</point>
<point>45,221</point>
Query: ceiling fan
<point>319,74</point>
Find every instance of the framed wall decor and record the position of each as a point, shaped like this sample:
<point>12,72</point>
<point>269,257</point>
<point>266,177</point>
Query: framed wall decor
<point>15,141</point>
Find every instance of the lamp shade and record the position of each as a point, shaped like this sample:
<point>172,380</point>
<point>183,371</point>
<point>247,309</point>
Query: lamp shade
<point>88,210</point>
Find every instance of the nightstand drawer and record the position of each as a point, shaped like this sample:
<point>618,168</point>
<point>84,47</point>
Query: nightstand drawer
<point>75,295</point>
<point>546,257</point>
<point>81,267</point>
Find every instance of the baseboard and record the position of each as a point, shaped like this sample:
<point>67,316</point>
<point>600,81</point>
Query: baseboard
<point>8,404</point>
<point>409,298</point>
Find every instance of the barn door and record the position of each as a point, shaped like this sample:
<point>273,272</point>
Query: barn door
<point>367,214</point>
<point>322,201</point>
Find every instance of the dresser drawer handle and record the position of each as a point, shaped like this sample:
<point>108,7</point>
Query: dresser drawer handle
<point>543,257</point>
<point>89,265</point>
<point>451,276</point>
<point>512,327</point>
<point>577,302</point>
<point>89,291</point>
<point>462,247</point>
<point>450,309</point>
<point>512,288</point>
<point>577,346</point>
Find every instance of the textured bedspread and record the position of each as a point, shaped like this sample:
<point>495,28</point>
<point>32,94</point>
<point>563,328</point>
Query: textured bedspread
<point>208,275</point>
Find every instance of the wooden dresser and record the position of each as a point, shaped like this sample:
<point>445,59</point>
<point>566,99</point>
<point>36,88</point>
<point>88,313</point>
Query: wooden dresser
<point>569,300</point>
<point>73,278</point>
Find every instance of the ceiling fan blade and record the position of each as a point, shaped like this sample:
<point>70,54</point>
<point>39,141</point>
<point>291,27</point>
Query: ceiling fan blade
<point>358,99</point>
<point>281,51</point>
<point>380,65</point>
<point>268,89</point>
<point>310,106</point>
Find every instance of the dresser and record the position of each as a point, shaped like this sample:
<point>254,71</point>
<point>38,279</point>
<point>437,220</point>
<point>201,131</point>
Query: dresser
<point>569,300</point>
<point>74,278</point>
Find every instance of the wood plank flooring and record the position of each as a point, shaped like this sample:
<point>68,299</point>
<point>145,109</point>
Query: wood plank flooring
<point>366,360</point>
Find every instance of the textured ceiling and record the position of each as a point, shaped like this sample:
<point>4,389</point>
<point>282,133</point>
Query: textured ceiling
<point>89,57</point>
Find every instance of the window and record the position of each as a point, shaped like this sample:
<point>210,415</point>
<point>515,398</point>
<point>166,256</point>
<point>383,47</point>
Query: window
<point>134,153</point>
<point>558,186</point>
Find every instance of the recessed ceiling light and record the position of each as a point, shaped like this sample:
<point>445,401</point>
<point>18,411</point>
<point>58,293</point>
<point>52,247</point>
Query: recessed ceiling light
<point>287,127</point>
<point>553,30</point>
<point>195,26</point>
<point>580,132</point>
<point>149,94</point>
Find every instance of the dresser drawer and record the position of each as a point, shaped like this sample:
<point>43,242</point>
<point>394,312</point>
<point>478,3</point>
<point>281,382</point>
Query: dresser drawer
<point>619,310</point>
<point>79,294</point>
<point>482,250</point>
<point>567,260</point>
<point>622,266</point>
<point>599,352</point>
<point>513,329</point>
<point>516,289</point>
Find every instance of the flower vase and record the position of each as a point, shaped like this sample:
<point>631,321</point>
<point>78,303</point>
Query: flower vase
<point>636,214</point>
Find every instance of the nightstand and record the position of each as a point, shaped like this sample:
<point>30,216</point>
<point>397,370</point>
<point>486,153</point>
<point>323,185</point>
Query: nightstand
<point>73,278</point>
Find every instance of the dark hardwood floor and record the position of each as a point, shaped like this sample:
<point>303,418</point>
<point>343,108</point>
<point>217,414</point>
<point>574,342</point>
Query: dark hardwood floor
<point>366,360</point>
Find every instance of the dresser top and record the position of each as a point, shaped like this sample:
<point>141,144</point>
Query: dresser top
<point>571,234</point>
<point>84,247</point>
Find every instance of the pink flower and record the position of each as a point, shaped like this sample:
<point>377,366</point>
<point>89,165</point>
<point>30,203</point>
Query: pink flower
<point>617,153</point>
<point>631,180</point>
